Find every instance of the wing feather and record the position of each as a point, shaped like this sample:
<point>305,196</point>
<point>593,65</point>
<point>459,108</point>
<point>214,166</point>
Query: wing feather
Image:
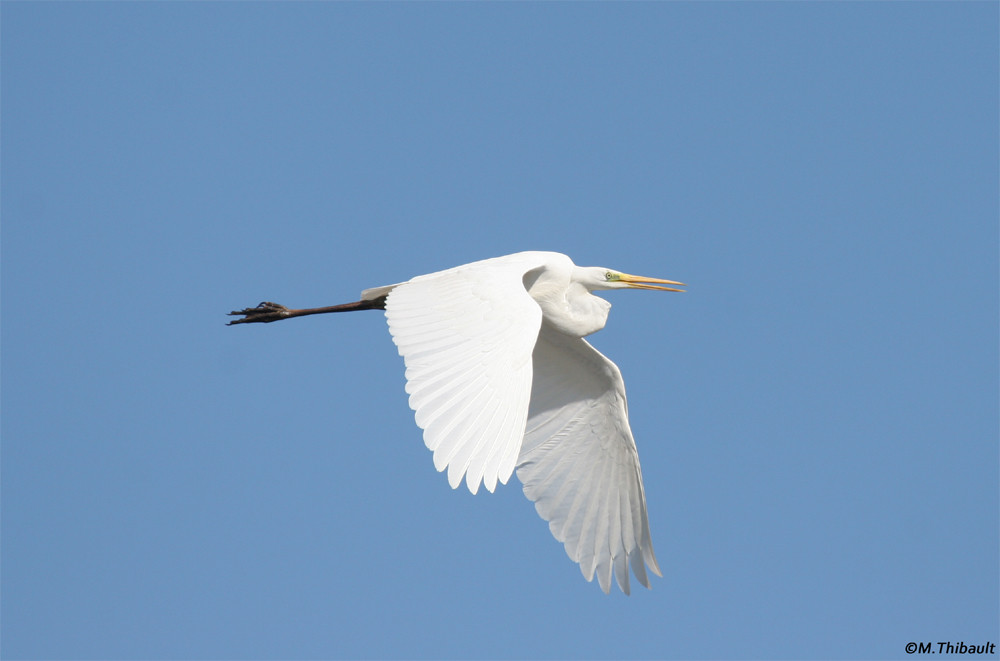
<point>579,464</point>
<point>466,336</point>
<point>495,389</point>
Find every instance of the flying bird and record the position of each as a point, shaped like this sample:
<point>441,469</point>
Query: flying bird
<point>501,378</point>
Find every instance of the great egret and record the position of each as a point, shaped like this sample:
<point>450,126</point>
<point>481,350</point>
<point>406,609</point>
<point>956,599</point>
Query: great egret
<point>500,377</point>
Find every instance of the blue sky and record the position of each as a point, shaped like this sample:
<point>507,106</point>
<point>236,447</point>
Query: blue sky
<point>816,418</point>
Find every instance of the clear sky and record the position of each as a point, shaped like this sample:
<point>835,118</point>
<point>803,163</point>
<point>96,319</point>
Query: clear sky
<point>817,417</point>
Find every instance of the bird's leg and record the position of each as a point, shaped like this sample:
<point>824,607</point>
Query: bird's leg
<point>267,312</point>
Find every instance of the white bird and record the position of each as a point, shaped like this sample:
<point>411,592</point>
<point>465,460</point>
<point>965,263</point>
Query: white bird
<point>500,378</point>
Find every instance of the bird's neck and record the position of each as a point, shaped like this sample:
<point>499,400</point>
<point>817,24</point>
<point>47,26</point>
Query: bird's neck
<point>572,310</point>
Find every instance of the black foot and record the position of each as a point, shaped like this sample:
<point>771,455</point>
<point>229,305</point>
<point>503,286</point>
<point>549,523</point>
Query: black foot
<point>264,313</point>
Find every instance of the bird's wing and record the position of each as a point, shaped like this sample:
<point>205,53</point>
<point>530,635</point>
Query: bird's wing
<point>466,336</point>
<point>579,464</point>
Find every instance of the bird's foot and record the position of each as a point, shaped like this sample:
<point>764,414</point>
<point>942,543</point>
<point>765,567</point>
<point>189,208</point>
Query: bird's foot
<point>264,313</point>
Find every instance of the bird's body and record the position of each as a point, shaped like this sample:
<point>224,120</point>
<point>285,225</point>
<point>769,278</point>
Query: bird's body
<point>500,378</point>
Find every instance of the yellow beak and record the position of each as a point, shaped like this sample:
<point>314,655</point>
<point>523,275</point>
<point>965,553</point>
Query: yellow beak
<point>642,282</point>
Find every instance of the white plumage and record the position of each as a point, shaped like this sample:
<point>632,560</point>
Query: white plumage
<point>500,377</point>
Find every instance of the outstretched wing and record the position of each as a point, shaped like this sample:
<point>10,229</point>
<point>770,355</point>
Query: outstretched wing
<point>579,464</point>
<point>466,336</point>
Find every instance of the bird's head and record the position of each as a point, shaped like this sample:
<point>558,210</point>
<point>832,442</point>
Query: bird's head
<point>601,278</point>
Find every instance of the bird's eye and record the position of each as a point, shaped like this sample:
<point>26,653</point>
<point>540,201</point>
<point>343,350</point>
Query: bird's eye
<point>609,276</point>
